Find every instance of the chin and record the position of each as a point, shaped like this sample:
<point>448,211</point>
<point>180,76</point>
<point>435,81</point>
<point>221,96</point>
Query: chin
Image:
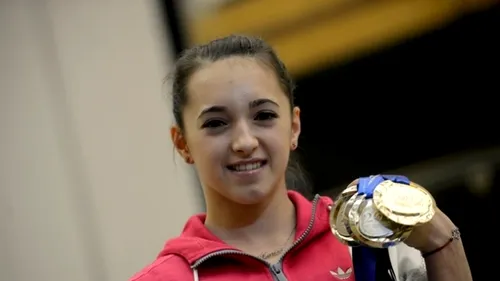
<point>249,195</point>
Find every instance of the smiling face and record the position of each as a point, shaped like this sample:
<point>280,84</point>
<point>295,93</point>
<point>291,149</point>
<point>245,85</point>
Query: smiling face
<point>238,129</point>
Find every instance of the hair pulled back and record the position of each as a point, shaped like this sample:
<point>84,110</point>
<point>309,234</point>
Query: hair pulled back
<point>193,58</point>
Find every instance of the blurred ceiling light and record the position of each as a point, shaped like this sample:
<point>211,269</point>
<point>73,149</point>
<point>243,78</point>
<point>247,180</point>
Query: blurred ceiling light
<point>479,178</point>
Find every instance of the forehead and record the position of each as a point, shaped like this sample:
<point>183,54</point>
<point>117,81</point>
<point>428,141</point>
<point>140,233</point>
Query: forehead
<point>234,80</point>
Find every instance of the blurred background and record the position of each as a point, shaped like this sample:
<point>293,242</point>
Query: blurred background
<point>90,186</point>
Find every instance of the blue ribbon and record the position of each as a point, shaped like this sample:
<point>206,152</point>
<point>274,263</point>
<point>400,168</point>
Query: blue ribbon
<point>365,258</point>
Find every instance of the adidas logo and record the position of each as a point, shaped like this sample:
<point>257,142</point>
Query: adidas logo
<point>341,274</point>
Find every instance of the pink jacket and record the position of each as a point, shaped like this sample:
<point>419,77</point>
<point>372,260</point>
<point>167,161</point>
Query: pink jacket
<point>316,255</point>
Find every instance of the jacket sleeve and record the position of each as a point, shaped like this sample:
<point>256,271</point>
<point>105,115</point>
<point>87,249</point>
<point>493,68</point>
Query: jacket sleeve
<point>408,263</point>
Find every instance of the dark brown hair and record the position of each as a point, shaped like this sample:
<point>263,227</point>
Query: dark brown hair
<point>235,45</point>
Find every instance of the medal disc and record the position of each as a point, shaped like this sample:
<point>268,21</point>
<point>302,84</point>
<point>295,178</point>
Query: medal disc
<point>370,221</point>
<point>404,204</point>
<point>371,228</point>
<point>339,224</point>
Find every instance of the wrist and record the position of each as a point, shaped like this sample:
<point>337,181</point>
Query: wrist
<point>455,236</point>
<point>432,235</point>
<point>439,231</point>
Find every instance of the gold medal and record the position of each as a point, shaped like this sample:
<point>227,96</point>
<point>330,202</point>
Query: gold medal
<point>372,228</point>
<point>404,204</point>
<point>338,217</point>
<point>383,220</point>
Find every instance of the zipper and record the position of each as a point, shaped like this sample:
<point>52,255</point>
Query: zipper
<point>276,268</point>
<point>306,232</point>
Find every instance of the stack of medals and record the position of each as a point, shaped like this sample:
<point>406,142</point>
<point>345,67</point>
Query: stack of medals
<point>384,219</point>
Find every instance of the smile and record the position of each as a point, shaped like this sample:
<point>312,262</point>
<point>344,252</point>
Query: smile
<point>247,167</point>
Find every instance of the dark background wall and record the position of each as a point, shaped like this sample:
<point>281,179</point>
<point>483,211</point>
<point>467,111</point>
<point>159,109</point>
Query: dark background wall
<point>434,95</point>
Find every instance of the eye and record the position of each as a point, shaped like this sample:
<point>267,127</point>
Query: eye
<point>266,115</point>
<point>214,124</point>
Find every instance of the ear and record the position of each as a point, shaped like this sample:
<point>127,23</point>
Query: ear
<point>180,144</point>
<point>296,128</point>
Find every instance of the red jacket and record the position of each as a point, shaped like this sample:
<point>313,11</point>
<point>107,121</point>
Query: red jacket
<point>197,254</point>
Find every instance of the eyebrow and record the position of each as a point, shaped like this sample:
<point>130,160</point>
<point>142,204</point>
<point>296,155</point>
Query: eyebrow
<point>251,105</point>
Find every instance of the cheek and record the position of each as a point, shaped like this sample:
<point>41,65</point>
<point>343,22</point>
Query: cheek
<point>208,151</point>
<point>279,140</point>
<point>285,132</point>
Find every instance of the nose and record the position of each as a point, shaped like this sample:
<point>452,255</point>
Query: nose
<point>244,141</point>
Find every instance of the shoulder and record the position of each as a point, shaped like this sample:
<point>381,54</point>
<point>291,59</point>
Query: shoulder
<point>165,268</point>
<point>408,263</point>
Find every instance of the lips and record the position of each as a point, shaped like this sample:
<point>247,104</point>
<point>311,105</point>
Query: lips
<point>247,166</point>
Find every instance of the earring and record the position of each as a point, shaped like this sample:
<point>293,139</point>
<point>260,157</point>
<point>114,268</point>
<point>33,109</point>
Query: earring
<point>294,146</point>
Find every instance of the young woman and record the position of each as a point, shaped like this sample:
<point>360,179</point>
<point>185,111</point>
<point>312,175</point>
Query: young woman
<point>237,123</point>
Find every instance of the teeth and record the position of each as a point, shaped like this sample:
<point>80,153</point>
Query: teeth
<point>247,167</point>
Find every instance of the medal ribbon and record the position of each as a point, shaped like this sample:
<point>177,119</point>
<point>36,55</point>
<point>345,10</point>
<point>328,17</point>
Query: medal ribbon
<point>365,258</point>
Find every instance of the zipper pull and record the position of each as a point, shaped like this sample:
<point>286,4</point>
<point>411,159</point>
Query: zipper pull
<point>278,272</point>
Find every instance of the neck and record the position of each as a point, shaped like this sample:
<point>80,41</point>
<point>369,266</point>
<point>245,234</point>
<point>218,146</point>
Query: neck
<point>270,220</point>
